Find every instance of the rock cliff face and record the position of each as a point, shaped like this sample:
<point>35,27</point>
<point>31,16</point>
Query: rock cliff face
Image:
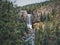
<point>57,7</point>
<point>41,12</point>
<point>47,10</point>
<point>23,14</point>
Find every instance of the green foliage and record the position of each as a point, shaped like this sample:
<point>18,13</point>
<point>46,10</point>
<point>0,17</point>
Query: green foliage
<point>53,12</point>
<point>50,35</point>
<point>30,8</point>
<point>11,30</point>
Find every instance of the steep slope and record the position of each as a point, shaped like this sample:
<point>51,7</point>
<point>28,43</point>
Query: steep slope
<point>32,7</point>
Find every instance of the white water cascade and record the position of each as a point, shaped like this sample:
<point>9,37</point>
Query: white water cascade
<point>29,24</point>
<point>31,31</point>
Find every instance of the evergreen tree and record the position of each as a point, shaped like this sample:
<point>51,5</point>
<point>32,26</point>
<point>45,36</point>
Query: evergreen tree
<point>11,30</point>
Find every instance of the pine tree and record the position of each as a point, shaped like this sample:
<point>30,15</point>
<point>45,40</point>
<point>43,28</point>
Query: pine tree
<point>11,30</point>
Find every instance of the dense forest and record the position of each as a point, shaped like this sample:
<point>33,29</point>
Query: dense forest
<point>30,8</point>
<point>12,29</point>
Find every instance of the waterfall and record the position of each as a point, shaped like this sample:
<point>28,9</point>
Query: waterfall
<point>29,24</point>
